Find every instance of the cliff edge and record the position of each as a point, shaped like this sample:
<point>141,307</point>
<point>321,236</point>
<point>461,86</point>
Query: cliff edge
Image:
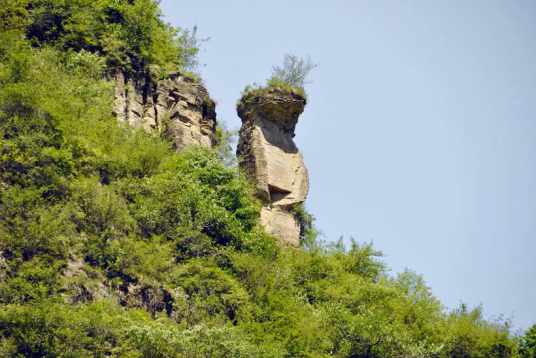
<point>177,106</point>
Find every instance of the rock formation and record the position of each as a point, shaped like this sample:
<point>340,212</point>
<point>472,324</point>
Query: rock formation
<point>268,154</point>
<point>177,106</point>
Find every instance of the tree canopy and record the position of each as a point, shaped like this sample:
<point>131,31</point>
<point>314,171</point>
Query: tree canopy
<point>127,34</point>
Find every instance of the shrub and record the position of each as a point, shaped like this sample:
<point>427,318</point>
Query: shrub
<point>293,72</point>
<point>112,244</point>
<point>129,34</point>
<point>291,77</point>
<point>528,343</point>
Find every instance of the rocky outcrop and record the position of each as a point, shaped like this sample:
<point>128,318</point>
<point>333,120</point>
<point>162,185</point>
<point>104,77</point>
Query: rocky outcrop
<point>3,267</point>
<point>81,283</point>
<point>267,153</point>
<point>178,107</point>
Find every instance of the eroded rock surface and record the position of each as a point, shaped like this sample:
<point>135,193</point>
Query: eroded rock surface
<point>177,106</point>
<point>3,267</point>
<point>267,152</point>
<point>83,284</point>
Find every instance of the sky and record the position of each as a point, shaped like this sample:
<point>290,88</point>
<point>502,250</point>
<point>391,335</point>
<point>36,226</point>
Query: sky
<point>419,133</point>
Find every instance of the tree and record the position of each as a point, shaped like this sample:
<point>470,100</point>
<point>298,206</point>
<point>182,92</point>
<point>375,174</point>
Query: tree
<point>294,71</point>
<point>528,343</point>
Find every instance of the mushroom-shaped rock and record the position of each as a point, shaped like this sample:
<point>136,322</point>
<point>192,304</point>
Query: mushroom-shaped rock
<point>268,154</point>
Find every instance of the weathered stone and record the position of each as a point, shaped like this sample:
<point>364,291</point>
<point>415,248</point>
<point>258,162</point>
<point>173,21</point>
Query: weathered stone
<point>188,110</point>
<point>3,267</point>
<point>152,298</point>
<point>177,106</point>
<point>81,284</point>
<point>281,224</point>
<point>120,96</point>
<point>268,154</point>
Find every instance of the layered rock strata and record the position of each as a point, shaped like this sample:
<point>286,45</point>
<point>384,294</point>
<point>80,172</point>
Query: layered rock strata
<point>177,106</point>
<point>267,153</point>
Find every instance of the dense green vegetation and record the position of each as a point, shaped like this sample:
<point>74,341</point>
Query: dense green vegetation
<point>528,343</point>
<point>127,34</point>
<point>111,244</point>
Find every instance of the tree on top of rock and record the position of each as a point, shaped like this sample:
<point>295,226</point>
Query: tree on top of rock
<point>293,72</point>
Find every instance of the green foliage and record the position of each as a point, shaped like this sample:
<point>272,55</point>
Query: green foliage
<point>308,233</point>
<point>293,72</point>
<point>284,86</point>
<point>224,145</point>
<point>112,244</point>
<point>528,343</point>
<point>209,294</point>
<point>160,340</point>
<point>469,335</point>
<point>129,34</point>
<point>291,77</point>
<point>256,90</point>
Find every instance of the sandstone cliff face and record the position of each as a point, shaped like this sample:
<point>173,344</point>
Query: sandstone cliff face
<point>177,106</point>
<point>267,152</point>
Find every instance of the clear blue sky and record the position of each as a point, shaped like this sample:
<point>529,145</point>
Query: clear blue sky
<point>420,132</point>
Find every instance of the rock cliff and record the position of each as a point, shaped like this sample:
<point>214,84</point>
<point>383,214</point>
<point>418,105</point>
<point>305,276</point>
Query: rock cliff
<point>268,154</point>
<point>177,106</point>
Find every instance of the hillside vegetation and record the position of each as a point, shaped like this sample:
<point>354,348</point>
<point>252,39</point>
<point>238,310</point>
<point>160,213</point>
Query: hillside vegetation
<point>112,244</point>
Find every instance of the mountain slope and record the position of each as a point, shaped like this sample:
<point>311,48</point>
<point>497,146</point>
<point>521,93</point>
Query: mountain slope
<point>112,244</point>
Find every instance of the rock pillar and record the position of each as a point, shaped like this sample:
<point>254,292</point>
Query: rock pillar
<point>267,153</point>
